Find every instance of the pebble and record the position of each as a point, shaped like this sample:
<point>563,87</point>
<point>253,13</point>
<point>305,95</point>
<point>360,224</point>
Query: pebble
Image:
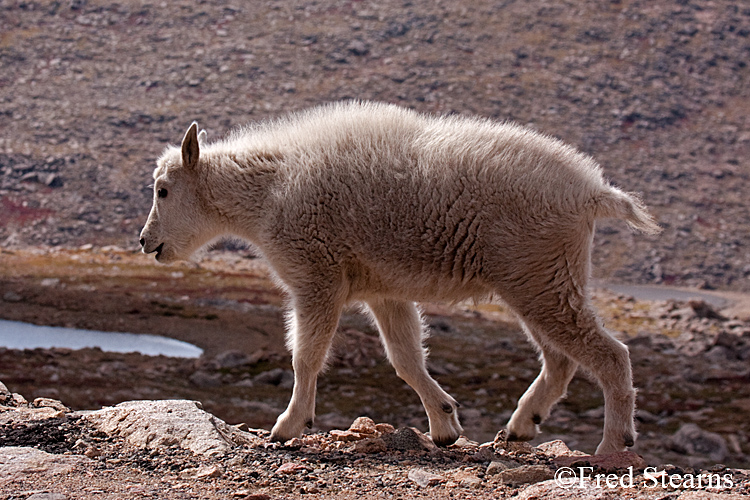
<point>291,468</point>
<point>467,479</point>
<point>209,471</point>
<point>11,296</point>
<point>526,474</point>
<point>5,394</point>
<point>50,403</point>
<point>496,467</point>
<point>364,425</point>
<point>424,478</point>
<point>554,448</point>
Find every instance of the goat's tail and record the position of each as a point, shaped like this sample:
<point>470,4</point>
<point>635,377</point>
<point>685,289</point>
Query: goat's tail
<point>628,207</point>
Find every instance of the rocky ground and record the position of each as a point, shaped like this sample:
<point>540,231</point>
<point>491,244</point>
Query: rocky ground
<point>657,91</point>
<point>174,449</point>
<point>690,364</point>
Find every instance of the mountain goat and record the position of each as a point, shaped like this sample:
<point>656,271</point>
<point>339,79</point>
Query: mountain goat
<point>372,203</point>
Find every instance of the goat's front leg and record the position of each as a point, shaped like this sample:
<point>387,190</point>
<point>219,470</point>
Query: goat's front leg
<point>312,325</point>
<point>401,330</point>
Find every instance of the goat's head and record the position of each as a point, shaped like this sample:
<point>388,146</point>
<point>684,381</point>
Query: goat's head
<point>180,221</point>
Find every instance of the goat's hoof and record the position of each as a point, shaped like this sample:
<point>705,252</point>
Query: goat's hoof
<point>445,441</point>
<point>445,428</point>
<point>512,436</point>
<point>605,448</point>
<point>629,440</point>
<point>288,428</point>
<point>276,438</point>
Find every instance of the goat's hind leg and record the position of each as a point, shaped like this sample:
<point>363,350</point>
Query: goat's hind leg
<point>535,405</point>
<point>576,331</point>
<point>401,330</point>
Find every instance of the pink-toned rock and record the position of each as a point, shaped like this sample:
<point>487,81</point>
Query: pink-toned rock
<point>294,443</point>
<point>526,474</point>
<point>384,428</point>
<point>363,425</point>
<point>17,414</point>
<point>204,472</point>
<point>424,478</point>
<point>291,468</point>
<point>346,436</point>
<point>464,442</point>
<point>555,448</point>
<point>611,462</point>
<point>50,403</point>
<point>467,479</point>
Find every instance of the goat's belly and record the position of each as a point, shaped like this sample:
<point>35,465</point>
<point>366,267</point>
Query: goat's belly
<point>396,282</point>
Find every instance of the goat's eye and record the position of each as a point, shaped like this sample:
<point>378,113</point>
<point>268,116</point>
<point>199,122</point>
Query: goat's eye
<point>161,193</point>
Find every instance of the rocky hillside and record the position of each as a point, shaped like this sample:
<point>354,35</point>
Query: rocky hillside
<point>656,90</point>
<point>175,450</point>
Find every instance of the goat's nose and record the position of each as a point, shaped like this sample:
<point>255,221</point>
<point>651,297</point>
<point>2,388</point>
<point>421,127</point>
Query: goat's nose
<point>142,241</point>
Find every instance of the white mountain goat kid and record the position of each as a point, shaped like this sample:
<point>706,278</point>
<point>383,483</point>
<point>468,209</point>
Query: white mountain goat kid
<point>372,203</point>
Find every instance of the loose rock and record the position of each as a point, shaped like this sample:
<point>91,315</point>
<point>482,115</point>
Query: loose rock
<point>526,474</point>
<point>424,478</point>
<point>693,440</point>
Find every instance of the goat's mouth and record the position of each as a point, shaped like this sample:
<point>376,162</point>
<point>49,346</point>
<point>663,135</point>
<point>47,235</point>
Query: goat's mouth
<point>158,250</point>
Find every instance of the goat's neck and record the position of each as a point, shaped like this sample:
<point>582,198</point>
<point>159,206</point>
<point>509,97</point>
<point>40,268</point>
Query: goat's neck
<point>237,190</point>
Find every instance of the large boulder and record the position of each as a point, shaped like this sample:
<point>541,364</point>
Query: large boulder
<point>155,424</point>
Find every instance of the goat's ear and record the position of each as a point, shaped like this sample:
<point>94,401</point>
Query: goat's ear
<point>190,147</point>
<point>202,135</point>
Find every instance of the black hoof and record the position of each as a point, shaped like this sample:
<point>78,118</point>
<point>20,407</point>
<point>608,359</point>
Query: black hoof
<point>445,441</point>
<point>629,441</point>
<point>512,437</point>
